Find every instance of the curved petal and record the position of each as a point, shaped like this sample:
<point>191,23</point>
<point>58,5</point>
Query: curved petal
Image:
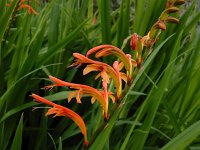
<point>93,99</point>
<point>105,76</point>
<point>71,95</point>
<point>30,9</point>
<point>105,50</point>
<point>97,48</point>
<point>86,90</point>
<point>78,96</point>
<point>90,68</point>
<point>59,110</point>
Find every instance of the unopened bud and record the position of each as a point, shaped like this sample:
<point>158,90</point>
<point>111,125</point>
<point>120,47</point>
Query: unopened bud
<point>170,19</point>
<point>160,25</point>
<point>167,11</point>
<point>179,2</point>
<point>169,4</point>
<point>171,10</point>
<point>133,41</point>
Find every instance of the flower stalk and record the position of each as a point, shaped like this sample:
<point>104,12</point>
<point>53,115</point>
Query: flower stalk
<point>125,68</point>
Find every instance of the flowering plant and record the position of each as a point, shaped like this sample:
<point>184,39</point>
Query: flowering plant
<point>121,70</point>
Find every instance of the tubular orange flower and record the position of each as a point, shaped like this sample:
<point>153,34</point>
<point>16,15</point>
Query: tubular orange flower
<point>59,110</point>
<point>22,4</point>
<point>106,71</point>
<point>105,50</point>
<point>101,97</point>
<point>30,9</point>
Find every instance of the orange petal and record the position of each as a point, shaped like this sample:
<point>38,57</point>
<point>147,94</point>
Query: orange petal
<point>120,66</point>
<point>71,95</point>
<point>105,50</point>
<point>97,76</point>
<point>105,76</point>
<point>97,48</point>
<point>90,68</point>
<point>85,90</point>
<point>123,76</point>
<point>134,63</point>
<point>42,100</point>
<point>82,59</point>
<point>110,95</point>
<point>93,99</point>
<point>30,9</point>
<point>52,111</point>
<point>59,110</point>
<point>78,96</point>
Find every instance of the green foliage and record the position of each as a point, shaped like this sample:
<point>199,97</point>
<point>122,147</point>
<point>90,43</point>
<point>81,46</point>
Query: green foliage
<point>161,109</point>
<point>17,141</point>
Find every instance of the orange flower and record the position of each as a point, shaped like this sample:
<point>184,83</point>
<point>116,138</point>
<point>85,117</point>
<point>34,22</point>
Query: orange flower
<point>22,4</point>
<point>105,50</point>
<point>100,96</point>
<point>59,110</point>
<point>30,9</point>
<point>106,71</point>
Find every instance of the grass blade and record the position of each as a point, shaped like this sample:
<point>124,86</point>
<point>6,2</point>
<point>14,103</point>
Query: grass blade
<point>17,142</point>
<point>184,138</point>
<point>4,21</point>
<point>104,10</point>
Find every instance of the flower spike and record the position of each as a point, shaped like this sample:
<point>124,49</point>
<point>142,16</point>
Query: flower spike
<point>59,110</point>
<point>84,90</point>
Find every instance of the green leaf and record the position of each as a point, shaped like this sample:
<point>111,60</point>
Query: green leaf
<point>147,62</point>
<point>17,141</point>
<point>104,11</point>
<point>53,50</point>
<point>153,100</point>
<point>191,24</point>
<point>60,143</point>
<point>123,23</point>
<point>185,138</point>
<point>4,20</point>
<point>54,97</point>
<point>100,141</point>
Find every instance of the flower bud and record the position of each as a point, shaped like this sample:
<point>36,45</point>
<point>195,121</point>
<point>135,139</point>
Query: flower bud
<point>171,10</point>
<point>133,41</point>
<point>171,19</point>
<point>179,2</point>
<point>160,25</point>
<point>168,11</point>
